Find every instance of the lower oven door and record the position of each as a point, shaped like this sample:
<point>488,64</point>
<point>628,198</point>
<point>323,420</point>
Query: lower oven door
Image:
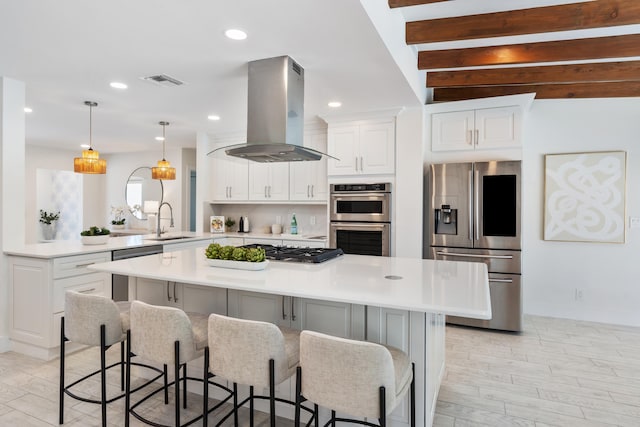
<point>361,238</point>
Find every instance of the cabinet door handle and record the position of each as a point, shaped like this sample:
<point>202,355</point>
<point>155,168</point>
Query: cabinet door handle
<point>356,164</point>
<point>308,194</point>
<point>361,165</point>
<point>477,136</point>
<point>168,294</point>
<point>269,191</point>
<point>470,137</point>
<point>175,297</point>
<point>85,265</point>
<point>293,313</point>
<point>311,190</point>
<point>284,314</point>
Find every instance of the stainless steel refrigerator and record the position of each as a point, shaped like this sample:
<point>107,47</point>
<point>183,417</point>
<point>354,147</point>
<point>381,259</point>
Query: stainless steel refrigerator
<point>473,214</point>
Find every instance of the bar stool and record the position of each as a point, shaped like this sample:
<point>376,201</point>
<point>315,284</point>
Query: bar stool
<point>94,320</point>
<point>359,378</point>
<point>253,353</point>
<point>168,336</point>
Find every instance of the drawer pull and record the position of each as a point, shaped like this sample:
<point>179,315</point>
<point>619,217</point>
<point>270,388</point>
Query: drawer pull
<point>85,265</point>
<point>86,291</point>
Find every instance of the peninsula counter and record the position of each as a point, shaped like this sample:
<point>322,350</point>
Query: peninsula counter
<point>395,301</point>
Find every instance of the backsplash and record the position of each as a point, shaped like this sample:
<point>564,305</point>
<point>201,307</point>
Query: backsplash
<point>312,219</point>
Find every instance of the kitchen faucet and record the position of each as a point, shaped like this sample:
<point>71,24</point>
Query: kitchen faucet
<point>158,230</point>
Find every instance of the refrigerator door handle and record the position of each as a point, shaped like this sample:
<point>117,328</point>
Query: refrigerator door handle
<point>476,196</point>
<point>474,255</point>
<point>501,280</point>
<point>470,205</point>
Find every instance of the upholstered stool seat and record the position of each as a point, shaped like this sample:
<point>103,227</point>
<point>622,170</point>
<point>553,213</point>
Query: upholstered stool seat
<point>93,320</point>
<point>253,353</point>
<point>359,378</point>
<point>167,336</point>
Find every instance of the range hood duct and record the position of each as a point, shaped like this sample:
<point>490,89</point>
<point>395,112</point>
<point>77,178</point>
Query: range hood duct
<point>275,114</point>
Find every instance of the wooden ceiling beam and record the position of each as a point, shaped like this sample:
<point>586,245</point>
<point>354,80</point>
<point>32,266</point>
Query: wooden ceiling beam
<point>573,73</point>
<point>403,3</point>
<point>575,16</point>
<point>562,50</point>
<point>544,91</point>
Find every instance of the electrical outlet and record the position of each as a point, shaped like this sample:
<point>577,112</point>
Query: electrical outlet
<point>579,296</point>
<point>312,220</point>
<point>634,222</point>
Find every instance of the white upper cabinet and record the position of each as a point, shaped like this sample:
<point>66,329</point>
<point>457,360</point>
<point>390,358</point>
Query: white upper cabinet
<point>268,181</point>
<point>229,176</point>
<point>308,180</point>
<point>476,129</point>
<point>363,148</point>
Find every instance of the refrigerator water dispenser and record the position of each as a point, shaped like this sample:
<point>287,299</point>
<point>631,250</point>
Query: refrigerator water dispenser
<point>446,220</point>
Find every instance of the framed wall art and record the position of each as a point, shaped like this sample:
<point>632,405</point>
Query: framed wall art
<point>584,197</point>
<point>217,224</point>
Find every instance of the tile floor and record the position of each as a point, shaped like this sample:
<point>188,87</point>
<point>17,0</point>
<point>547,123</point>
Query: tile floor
<point>556,373</point>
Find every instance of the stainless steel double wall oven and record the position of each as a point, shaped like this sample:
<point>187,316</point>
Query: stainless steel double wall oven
<point>360,218</point>
<point>474,215</point>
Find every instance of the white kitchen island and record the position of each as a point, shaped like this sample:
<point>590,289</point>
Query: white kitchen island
<point>395,301</point>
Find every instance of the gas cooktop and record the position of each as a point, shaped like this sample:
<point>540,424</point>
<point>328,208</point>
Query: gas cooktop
<point>286,253</point>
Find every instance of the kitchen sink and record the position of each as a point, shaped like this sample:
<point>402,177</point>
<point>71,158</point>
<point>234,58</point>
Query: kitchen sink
<point>164,238</point>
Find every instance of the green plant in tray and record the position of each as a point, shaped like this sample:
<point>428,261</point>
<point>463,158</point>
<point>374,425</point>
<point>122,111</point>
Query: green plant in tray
<point>217,251</point>
<point>95,231</point>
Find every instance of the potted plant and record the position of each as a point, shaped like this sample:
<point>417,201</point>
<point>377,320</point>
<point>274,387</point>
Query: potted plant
<point>118,213</point>
<point>229,223</point>
<point>48,221</point>
<point>95,236</point>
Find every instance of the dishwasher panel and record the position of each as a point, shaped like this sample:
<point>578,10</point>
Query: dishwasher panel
<point>119,283</point>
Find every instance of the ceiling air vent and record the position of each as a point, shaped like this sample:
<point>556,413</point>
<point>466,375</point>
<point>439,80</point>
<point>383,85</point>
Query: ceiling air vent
<point>163,80</point>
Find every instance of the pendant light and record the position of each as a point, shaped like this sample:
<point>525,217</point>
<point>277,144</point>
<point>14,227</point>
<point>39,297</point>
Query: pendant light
<point>90,162</point>
<point>164,169</point>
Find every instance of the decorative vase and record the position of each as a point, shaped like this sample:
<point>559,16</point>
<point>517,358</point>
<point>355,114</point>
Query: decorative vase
<point>94,240</point>
<point>117,226</point>
<point>48,231</point>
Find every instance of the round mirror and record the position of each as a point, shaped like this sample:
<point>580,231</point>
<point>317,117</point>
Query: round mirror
<point>141,189</point>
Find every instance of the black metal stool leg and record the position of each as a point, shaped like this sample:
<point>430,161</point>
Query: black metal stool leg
<point>235,405</point>
<point>317,414</point>
<point>205,390</point>
<point>103,374</point>
<point>250,406</point>
<point>298,399</point>
<point>121,365</point>
<point>61,407</point>
<point>166,384</point>
<point>272,391</point>
<point>127,393</point>
<point>413,395</point>
<point>184,386</point>
<point>383,408</point>
<point>333,418</point>
<point>176,370</point>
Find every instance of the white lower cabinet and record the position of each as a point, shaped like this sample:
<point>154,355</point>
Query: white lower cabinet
<point>340,319</point>
<point>414,333</point>
<point>36,298</point>
<point>190,298</point>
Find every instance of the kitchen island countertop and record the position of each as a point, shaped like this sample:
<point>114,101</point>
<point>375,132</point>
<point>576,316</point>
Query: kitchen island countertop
<point>447,287</point>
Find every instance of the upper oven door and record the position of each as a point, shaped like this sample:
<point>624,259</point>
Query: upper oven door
<point>368,207</point>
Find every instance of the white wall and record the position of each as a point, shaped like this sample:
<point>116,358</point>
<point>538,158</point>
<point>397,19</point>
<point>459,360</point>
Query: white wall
<point>12,186</point>
<point>93,200</point>
<point>607,274</point>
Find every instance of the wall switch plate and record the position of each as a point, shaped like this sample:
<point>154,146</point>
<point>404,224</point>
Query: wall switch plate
<point>634,222</point>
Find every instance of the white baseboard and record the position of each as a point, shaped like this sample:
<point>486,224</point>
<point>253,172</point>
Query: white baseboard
<point>5,344</point>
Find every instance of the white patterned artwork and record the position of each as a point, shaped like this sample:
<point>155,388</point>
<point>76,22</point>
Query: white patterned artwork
<point>585,197</point>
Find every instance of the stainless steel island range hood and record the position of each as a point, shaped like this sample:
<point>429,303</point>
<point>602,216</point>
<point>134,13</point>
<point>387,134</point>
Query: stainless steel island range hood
<point>275,113</point>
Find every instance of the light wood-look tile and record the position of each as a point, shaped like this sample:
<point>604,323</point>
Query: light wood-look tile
<point>556,373</point>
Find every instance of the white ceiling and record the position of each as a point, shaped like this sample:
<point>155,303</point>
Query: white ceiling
<point>69,51</point>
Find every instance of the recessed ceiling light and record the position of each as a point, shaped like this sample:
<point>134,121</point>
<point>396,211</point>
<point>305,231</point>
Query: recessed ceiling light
<point>335,104</point>
<point>118,85</point>
<point>159,138</point>
<point>213,117</point>
<point>235,34</point>
<point>84,145</point>
<point>28,110</point>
